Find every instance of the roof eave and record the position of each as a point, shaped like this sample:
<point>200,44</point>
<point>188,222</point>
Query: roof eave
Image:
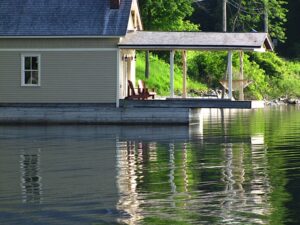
<point>190,47</point>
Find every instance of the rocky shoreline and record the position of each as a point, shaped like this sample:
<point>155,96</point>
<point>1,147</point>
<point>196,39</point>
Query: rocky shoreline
<point>218,94</point>
<point>283,101</point>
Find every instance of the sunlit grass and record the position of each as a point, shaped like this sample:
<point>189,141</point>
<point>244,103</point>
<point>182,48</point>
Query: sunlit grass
<point>159,78</point>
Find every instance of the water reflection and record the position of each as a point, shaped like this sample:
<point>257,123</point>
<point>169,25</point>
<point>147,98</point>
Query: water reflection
<point>260,185</point>
<point>128,167</point>
<point>246,192</point>
<point>134,178</point>
<point>234,167</point>
<point>238,193</point>
<point>30,177</point>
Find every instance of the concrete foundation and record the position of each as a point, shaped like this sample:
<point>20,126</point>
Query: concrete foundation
<point>160,112</point>
<point>92,115</point>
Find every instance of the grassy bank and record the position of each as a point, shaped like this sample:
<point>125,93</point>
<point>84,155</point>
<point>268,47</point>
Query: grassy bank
<point>271,76</point>
<point>160,77</point>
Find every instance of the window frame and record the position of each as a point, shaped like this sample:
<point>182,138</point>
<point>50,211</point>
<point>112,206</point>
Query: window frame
<point>23,70</point>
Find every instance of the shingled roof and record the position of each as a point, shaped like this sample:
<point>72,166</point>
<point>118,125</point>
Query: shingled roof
<point>63,18</point>
<point>149,40</point>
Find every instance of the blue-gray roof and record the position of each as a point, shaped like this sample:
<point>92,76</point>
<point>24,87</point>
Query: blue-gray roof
<point>63,18</point>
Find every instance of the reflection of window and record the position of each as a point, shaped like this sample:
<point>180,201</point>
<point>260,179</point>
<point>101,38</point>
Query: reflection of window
<point>30,178</point>
<point>30,70</point>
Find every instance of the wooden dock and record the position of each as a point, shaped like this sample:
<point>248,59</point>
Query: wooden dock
<point>160,112</point>
<point>192,103</point>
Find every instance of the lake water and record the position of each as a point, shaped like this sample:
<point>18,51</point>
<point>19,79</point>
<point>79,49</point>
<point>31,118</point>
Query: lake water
<point>231,167</point>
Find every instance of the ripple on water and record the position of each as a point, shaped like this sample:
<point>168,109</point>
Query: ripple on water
<point>236,167</point>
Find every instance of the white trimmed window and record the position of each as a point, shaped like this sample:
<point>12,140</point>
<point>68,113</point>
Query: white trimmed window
<point>31,70</point>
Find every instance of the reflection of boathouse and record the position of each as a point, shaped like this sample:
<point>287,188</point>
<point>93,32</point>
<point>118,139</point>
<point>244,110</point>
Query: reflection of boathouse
<point>176,173</point>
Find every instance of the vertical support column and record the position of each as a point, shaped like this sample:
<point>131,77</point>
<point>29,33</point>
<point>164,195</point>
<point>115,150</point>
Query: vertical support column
<point>147,65</point>
<point>230,74</point>
<point>172,53</point>
<point>184,72</point>
<point>241,78</point>
<point>118,79</point>
<point>132,66</point>
<point>224,29</point>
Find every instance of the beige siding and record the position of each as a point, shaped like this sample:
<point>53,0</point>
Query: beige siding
<point>130,23</point>
<point>66,77</point>
<point>14,43</point>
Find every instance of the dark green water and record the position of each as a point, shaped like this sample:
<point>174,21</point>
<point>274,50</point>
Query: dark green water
<point>233,167</point>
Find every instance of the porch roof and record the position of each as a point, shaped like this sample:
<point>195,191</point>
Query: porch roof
<point>149,40</point>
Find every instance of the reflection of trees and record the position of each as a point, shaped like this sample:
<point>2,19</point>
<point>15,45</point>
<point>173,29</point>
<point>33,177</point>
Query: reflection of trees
<point>244,171</point>
<point>283,163</point>
<point>221,176</point>
<point>263,181</point>
<point>30,178</point>
<point>151,186</point>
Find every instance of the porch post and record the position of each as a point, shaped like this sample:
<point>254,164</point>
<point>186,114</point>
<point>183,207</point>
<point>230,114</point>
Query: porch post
<point>172,53</point>
<point>118,79</point>
<point>184,71</point>
<point>230,74</point>
<point>241,77</point>
<point>147,66</point>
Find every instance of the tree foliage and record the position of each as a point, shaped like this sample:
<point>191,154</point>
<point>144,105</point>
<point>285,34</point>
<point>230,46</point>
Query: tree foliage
<point>243,16</point>
<point>291,48</point>
<point>272,76</point>
<point>167,15</point>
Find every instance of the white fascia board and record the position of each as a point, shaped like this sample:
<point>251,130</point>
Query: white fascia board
<point>262,49</point>
<point>168,48</point>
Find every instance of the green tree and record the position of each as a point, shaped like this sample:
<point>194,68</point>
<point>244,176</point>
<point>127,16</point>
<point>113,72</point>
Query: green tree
<point>167,15</point>
<point>291,48</point>
<point>250,15</point>
<point>243,16</point>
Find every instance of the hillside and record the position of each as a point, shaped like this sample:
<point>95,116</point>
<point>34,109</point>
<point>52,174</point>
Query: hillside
<point>159,78</point>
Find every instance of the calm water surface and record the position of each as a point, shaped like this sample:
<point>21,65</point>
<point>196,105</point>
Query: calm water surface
<point>231,167</point>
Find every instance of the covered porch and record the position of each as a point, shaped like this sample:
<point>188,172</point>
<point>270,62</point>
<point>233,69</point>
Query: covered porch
<point>183,42</point>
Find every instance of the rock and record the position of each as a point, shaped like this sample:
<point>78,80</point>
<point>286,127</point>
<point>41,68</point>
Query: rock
<point>293,101</point>
<point>281,101</point>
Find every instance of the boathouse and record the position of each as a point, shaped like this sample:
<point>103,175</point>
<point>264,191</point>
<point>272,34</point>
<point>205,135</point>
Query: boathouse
<point>63,51</point>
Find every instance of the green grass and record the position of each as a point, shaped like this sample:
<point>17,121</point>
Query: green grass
<point>159,78</point>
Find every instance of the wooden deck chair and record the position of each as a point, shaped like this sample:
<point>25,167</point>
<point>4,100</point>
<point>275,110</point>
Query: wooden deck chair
<point>144,91</point>
<point>132,93</point>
